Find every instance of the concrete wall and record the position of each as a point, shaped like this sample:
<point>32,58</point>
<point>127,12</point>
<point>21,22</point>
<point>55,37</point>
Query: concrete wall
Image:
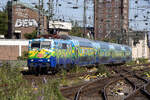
<point>141,49</point>
<point>10,49</point>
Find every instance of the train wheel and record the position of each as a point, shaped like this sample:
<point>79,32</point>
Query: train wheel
<point>68,67</point>
<point>37,71</point>
<point>31,70</point>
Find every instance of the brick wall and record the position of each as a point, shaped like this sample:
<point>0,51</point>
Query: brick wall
<point>108,15</point>
<point>28,14</point>
<point>11,49</point>
<point>23,19</point>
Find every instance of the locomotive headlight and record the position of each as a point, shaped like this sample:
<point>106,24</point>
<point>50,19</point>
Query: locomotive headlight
<point>32,60</point>
<point>48,60</point>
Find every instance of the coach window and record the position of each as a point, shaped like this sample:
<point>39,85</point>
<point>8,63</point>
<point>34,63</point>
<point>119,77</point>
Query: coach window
<point>64,46</point>
<point>127,49</point>
<point>59,45</point>
<point>99,51</point>
<point>104,47</point>
<point>55,45</point>
<point>69,46</point>
<point>118,48</point>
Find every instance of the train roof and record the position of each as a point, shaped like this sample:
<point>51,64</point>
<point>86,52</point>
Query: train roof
<point>87,42</point>
<point>41,39</point>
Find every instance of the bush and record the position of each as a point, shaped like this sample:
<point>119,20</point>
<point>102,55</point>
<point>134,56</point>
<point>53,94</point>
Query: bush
<point>50,91</point>
<point>11,82</point>
<point>24,56</point>
<point>131,63</point>
<point>14,87</point>
<point>102,69</point>
<point>78,69</point>
<point>31,35</point>
<point>142,60</point>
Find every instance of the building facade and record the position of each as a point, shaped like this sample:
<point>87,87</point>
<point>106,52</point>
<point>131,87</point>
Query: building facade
<point>139,27</point>
<point>23,19</point>
<point>60,27</point>
<point>111,17</point>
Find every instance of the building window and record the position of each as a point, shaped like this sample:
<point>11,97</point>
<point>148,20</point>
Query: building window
<point>146,23</point>
<point>101,20</point>
<point>108,5</point>
<point>108,26</point>
<point>136,1</point>
<point>108,16</point>
<point>125,1</point>
<point>108,10</point>
<point>117,11</point>
<point>115,26</point>
<point>100,1</point>
<point>108,0</point>
<point>108,20</point>
<point>99,26</point>
<point>100,31</point>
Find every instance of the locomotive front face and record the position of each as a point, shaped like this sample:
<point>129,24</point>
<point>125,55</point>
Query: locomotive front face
<point>40,50</point>
<point>40,53</point>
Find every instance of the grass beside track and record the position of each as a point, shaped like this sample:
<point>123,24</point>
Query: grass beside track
<point>14,87</point>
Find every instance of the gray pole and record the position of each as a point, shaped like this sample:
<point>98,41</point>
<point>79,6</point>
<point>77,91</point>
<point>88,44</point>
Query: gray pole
<point>42,30</point>
<point>12,19</point>
<point>84,19</point>
<point>39,19</point>
<point>50,9</point>
<point>50,13</point>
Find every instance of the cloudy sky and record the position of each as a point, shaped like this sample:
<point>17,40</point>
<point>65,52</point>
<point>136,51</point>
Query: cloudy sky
<point>63,9</point>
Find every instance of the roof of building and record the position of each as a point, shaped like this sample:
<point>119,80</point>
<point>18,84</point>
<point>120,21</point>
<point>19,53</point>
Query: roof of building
<point>27,5</point>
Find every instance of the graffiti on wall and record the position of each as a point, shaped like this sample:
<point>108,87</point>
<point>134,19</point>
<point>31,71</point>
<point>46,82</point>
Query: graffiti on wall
<point>26,23</point>
<point>21,12</point>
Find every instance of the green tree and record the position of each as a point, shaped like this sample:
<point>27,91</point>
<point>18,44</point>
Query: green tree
<point>3,22</point>
<point>109,40</point>
<point>76,30</point>
<point>31,35</point>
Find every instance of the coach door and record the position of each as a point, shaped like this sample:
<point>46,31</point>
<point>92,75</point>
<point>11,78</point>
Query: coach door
<point>104,49</point>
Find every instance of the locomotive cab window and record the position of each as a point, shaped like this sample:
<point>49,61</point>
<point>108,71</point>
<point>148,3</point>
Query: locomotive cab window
<point>35,45</point>
<point>45,45</point>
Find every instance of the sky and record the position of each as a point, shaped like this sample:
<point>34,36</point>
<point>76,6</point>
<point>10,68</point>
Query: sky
<point>63,9</point>
<point>139,15</point>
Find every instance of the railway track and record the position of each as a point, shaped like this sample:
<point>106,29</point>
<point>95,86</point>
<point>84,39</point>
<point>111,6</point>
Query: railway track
<point>135,80</point>
<point>95,90</point>
<point>86,90</point>
<point>40,78</point>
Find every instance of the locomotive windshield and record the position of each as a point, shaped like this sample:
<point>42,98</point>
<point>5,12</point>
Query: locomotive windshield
<point>41,45</point>
<point>35,45</point>
<point>45,45</point>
